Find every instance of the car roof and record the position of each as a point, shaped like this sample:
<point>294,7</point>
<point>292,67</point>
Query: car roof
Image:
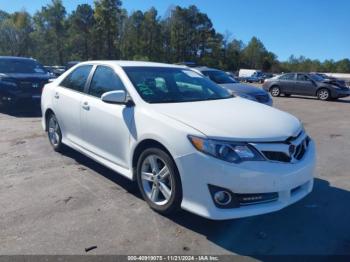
<point>122,63</point>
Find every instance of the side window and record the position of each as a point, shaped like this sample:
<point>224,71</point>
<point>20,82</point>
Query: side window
<point>289,77</point>
<point>301,77</point>
<point>77,79</point>
<point>103,81</point>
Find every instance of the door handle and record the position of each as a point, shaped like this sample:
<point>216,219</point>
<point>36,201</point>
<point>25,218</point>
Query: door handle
<point>57,96</point>
<point>86,106</point>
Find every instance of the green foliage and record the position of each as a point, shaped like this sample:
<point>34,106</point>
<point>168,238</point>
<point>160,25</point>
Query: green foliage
<point>15,33</point>
<point>107,31</point>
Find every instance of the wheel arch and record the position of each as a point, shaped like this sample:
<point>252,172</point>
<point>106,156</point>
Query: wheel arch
<point>48,112</point>
<point>141,146</point>
<point>275,85</point>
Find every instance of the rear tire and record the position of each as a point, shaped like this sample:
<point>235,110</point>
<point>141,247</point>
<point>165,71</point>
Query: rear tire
<point>159,181</point>
<point>275,91</point>
<point>54,133</point>
<point>323,94</point>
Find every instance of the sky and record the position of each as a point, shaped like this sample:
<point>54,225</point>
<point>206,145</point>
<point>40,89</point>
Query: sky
<point>318,29</point>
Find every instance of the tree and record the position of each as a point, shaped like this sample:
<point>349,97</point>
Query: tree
<point>131,45</point>
<point>107,31</point>
<point>107,16</point>
<point>190,31</point>
<point>151,35</point>
<point>234,55</point>
<point>51,32</point>
<point>81,22</point>
<point>254,53</point>
<point>15,33</point>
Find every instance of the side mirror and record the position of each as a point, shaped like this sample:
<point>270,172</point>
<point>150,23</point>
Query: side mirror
<point>115,97</point>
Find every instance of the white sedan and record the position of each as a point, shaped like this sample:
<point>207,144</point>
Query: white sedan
<point>186,141</point>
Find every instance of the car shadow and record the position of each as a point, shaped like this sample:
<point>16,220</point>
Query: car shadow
<point>340,100</point>
<point>316,225</point>
<point>125,183</point>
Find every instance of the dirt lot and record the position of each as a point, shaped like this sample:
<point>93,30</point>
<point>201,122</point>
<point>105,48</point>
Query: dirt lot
<point>62,204</point>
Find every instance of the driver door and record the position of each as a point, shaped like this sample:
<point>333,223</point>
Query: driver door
<point>305,86</point>
<point>105,127</point>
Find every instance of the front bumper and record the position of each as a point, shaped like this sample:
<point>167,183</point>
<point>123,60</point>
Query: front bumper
<point>342,93</point>
<point>198,171</point>
<point>12,98</point>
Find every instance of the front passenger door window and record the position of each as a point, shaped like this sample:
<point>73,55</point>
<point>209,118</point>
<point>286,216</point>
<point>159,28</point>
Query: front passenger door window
<point>104,80</point>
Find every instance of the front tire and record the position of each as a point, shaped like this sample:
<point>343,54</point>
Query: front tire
<point>54,133</point>
<point>275,91</point>
<point>159,181</point>
<point>323,94</point>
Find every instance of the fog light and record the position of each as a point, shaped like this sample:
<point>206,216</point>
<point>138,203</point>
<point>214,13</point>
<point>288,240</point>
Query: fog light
<point>222,198</point>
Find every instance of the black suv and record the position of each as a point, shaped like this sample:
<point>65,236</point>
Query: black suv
<point>21,80</point>
<point>306,84</point>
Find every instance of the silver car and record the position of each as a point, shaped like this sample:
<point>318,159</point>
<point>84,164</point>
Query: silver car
<point>243,90</point>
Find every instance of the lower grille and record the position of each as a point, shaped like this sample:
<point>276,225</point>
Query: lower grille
<point>251,199</point>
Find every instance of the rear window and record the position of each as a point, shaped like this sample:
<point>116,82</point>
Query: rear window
<point>76,80</point>
<point>21,66</point>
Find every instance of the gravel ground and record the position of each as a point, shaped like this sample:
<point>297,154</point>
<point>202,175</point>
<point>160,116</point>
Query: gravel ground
<point>62,204</point>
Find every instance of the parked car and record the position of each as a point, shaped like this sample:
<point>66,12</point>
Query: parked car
<point>246,91</point>
<point>305,84</point>
<point>21,80</point>
<point>71,64</point>
<point>188,64</point>
<point>257,77</point>
<point>186,141</point>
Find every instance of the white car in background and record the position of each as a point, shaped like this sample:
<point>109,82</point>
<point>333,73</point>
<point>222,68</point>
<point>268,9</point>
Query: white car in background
<point>186,141</point>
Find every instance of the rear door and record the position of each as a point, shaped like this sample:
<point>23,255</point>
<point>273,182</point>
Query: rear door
<point>106,127</point>
<point>305,86</point>
<point>287,83</point>
<point>67,103</point>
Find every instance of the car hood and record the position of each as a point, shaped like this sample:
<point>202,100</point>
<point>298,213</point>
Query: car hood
<point>242,88</point>
<point>233,119</point>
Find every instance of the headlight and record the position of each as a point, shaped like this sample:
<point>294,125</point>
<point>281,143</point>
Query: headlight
<point>234,152</point>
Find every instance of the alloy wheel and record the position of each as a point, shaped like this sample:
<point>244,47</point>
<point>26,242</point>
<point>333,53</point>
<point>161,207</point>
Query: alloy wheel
<point>275,91</point>
<point>54,132</point>
<point>323,94</point>
<point>156,179</point>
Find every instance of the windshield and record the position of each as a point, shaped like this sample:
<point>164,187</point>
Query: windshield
<point>317,78</point>
<point>219,77</point>
<point>173,85</point>
<point>21,66</point>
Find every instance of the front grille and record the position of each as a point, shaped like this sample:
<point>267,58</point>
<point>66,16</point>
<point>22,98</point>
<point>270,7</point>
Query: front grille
<point>297,152</point>
<point>31,85</point>
<point>262,98</point>
<point>301,148</point>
